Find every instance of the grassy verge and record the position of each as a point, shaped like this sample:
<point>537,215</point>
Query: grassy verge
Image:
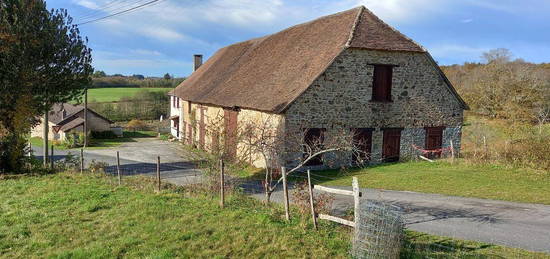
<point>458,179</point>
<point>84,216</point>
<point>115,94</point>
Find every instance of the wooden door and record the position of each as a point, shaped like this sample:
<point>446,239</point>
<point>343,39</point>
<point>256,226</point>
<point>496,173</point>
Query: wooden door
<point>434,141</point>
<point>362,141</point>
<point>391,145</point>
<point>230,126</point>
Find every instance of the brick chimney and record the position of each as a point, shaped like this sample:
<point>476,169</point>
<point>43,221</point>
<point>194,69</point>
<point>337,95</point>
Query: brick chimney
<point>197,61</point>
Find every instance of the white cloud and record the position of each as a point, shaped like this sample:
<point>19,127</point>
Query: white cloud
<point>457,51</point>
<point>467,20</point>
<point>164,34</point>
<point>401,10</point>
<point>146,52</point>
<point>88,4</point>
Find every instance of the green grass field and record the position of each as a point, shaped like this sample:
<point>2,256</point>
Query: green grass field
<point>88,216</point>
<point>114,94</point>
<point>458,179</point>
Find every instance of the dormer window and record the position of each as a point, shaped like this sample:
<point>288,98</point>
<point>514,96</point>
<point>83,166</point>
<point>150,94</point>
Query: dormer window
<point>381,83</point>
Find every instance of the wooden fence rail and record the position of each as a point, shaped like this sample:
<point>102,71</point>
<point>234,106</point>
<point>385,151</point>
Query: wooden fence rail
<point>355,193</point>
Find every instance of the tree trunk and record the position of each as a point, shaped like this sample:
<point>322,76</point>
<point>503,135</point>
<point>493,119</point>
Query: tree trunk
<point>268,197</point>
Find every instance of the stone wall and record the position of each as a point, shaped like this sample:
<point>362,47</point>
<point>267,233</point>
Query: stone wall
<point>341,99</point>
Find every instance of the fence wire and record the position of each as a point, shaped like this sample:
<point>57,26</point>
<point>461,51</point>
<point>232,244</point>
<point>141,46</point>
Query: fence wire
<point>379,232</point>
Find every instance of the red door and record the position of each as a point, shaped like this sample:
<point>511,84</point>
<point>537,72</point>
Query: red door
<point>434,141</point>
<point>230,125</point>
<point>362,141</point>
<point>391,145</point>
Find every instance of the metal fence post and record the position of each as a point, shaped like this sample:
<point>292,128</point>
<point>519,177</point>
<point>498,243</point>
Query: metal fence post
<point>222,184</point>
<point>118,168</point>
<point>81,160</point>
<point>158,172</point>
<point>51,156</point>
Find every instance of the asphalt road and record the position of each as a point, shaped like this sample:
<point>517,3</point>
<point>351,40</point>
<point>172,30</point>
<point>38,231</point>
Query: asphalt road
<point>140,157</point>
<point>520,225</point>
<point>511,224</point>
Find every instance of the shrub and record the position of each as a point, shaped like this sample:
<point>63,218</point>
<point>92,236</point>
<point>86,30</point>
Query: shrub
<point>136,124</point>
<point>103,134</point>
<point>73,140</point>
<point>323,202</point>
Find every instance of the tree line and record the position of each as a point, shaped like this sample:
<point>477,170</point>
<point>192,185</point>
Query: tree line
<point>515,96</point>
<point>101,80</point>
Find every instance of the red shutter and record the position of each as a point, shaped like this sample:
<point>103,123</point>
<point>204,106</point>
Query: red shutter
<point>382,80</point>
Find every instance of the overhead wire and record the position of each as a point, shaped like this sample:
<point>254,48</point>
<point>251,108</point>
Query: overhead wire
<point>109,8</point>
<point>122,12</point>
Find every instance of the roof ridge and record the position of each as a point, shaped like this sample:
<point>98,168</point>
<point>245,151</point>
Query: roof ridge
<point>355,23</point>
<point>394,29</point>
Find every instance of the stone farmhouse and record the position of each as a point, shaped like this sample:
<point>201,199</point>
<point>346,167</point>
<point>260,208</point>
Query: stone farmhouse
<point>65,118</point>
<point>349,70</point>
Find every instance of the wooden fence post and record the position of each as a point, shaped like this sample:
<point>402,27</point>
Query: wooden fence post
<point>118,168</point>
<point>51,156</point>
<point>356,208</point>
<point>30,149</point>
<point>311,201</point>
<point>285,194</point>
<point>222,183</point>
<point>81,160</point>
<point>158,172</point>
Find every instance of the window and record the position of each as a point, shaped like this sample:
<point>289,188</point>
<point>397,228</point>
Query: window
<point>381,84</point>
<point>177,102</point>
<point>314,138</point>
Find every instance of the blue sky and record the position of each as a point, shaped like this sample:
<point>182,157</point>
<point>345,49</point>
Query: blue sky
<point>162,38</point>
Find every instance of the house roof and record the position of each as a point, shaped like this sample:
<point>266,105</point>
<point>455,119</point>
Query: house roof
<point>269,73</point>
<point>57,117</point>
<point>72,124</point>
<point>56,112</point>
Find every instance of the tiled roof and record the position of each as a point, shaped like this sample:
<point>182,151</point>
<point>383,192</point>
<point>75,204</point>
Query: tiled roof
<point>268,73</point>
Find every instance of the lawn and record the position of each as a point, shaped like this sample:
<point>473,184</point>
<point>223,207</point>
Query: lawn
<point>459,179</point>
<point>114,94</point>
<point>87,216</point>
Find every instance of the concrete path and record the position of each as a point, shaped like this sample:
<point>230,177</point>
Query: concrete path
<point>511,224</point>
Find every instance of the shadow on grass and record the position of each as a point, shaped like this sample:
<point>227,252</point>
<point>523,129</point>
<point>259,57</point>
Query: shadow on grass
<point>420,245</point>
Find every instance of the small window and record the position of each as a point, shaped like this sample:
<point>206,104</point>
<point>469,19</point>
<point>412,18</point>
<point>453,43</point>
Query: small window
<point>177,102</point>
<point>381,84</point>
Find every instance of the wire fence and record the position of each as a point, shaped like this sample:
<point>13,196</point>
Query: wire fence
<point>379,232</point>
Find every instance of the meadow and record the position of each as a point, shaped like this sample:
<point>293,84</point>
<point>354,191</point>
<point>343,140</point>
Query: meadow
<point>69,215</point>
<point>115,94</point>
